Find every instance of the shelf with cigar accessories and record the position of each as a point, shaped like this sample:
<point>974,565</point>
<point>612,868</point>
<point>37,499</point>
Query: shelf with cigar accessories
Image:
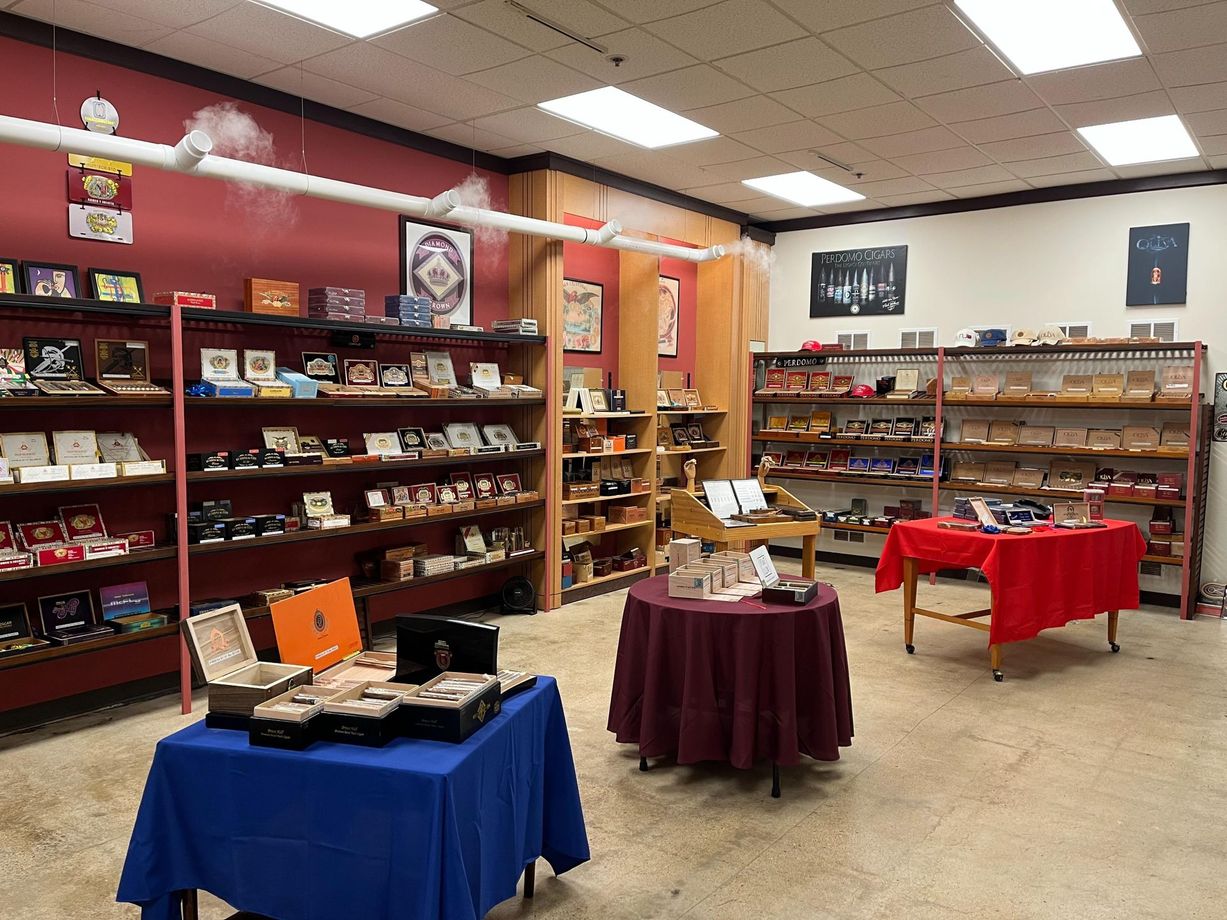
<point>460,451</point>
<point>1138,442</point>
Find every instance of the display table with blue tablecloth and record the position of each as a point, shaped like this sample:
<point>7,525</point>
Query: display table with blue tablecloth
<point>416,830</point>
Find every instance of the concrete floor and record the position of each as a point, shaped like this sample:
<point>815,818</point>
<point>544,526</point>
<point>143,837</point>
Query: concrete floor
<point>1087,785</point>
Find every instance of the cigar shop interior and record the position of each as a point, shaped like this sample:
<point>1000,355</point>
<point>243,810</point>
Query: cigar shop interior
<point>708,459</point>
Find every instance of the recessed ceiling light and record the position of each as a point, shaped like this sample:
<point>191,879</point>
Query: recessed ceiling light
<point>629,118</point>
<point>1146,140</point>
<point>1040,35</point>
<point>803,188</point>
<point>359,18</point>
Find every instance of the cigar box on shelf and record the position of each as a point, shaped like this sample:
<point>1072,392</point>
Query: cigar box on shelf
<point>288,721</point>
<point>451,706</point>
<point>17,631</point>
<point>1075,388</point>
<point>225,657</point>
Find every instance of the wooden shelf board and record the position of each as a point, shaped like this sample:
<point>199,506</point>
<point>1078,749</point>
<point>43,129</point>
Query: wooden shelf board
<point>81,485</point>
<point>299,536</point>
<point>1164,560</point>
<point>613,528</point>
<point>606,578</point>
<point>614,453</point>
<point>1056,494</point>
<point>135,557</point>
<point>688,450</point>
<point>363,402</point>
<point>856,478</point>
<point>604,498</point>
<point>607,415</point>
<point>87,402</point>
<point>83,305</point>
<point>329,469</point>
<point>692,411</point>
<point>81,648</point>
<point>1066,451</point>
<point>858,528</point>
<point>1165,406</point>
<point>773,437</point>
<point>846,400</point>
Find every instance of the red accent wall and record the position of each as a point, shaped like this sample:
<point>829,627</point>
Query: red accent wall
<point>200,234</point>
<point>597,265</point>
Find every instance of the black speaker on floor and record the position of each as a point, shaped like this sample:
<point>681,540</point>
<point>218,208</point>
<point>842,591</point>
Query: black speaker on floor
<point>519,595</point>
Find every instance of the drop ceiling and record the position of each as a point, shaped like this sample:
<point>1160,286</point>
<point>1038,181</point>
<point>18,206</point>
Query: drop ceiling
<point>898,90</point>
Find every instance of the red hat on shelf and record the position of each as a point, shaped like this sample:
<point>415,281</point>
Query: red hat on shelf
<point>811,345</point>
<point>863,390</point>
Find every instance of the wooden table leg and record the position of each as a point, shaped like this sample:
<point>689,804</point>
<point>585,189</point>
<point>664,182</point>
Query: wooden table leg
<point>530,879</point>
<point>911,574</point>
<point>1113,619</point>
<point>188,904</point>
<point>808,551</point>
<point>994,654</point>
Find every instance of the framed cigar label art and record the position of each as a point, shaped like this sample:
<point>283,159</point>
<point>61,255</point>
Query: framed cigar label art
<point>284,439</point>
<point>321,366</point>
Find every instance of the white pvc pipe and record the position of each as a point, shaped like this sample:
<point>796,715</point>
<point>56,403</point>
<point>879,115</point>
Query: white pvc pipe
<point>192,156</point>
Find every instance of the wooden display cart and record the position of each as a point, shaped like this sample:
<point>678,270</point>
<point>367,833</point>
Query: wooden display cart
<point>693,517</point>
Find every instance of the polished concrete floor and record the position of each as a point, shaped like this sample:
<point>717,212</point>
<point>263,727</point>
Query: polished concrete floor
<point>1087,785</point>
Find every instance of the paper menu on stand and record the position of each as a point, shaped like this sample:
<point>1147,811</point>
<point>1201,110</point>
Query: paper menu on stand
<point>763,565</point>
<point>720,498</point>
<point>749,495</point>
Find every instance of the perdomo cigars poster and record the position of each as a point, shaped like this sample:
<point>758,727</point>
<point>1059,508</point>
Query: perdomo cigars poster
<point>858,282</point>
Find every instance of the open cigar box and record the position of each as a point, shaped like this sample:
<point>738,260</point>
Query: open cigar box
<point>238,681</point>
<point>370,713</point>
<point>289,721</point>
<point>451,706</point>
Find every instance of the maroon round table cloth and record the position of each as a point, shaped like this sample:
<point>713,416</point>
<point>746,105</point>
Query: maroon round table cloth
<point>706,680</point>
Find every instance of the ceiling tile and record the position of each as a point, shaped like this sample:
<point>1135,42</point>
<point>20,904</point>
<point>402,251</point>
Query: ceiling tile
<point>973,67</point>
<point>847,152</point>
<point>1199,98</point>
<point>849,206</point>
<point>722,193</point>
<point>399,114</point>
<point>588,146</point>
<point>914,36</point>
<point>1034,147</point>
<point>534,79</point>
<point>795,63</point>
<point>785,213</point>
<point>752,168</point>
<point>581,16</point>
<point>989,188</point>
<point>370,67</point>
<point>1141,7</point>
<point>268,33</point>
<point>183,46</point>
<point>758,204</point>
<point>1176,30</point>
<point>689,88</point>
<point>977,175</point>
<point>298,82</point>
<point>1049,166</point>
<point>742,114</point>
<point>903,186</point>
<point>651,10</point>
<point>878,120</point>
<point>1072,178</point>
<point>1208,122</point>
<point>795,135</point>
<point>519,150</point>
<point>980,102</point>
<point>942,160</point>
<point>531,126</point>
<point>1105,111</point>
<point>842,95</point>
<point>466,135</point>
<point>653,166</point>
<point>497,17</point>
<point>713,150</point>
<point>451,45</point>
<point>1214,146</point>
<point>729,27</point>
<point>870,168</point>
<point>1004,127</point>
<point>1219,162</point>
<point>126,29</point>
<point>1196,65</point>
<point>894,145</point>
<point>1194,164</point>
<point>898,201</point>
<point>645,55</point>
<point>834,14</point>
<point>1099,81</point>
<point>177,15</point>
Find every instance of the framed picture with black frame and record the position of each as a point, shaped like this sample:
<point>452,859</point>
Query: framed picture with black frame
<point>116,286</point>
<point>669,319</point>
<point>436,261</point>
<point>50,279</point>
<point>10,276</point>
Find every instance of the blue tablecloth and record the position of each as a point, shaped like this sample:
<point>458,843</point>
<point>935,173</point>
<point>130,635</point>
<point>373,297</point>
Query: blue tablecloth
<point>416,830</point>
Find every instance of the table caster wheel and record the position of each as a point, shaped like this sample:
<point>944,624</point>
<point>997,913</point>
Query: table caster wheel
<point>998,676</point>
<point>911,649</point>
<point>1115,648</point>
<point>643,765</point>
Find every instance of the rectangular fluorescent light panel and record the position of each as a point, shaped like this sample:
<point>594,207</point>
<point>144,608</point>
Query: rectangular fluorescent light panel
<point>359,18</point>
<point>803,188</point>
<point>1146,140</point>
<point>1043,35</point>
<point>629,118</point>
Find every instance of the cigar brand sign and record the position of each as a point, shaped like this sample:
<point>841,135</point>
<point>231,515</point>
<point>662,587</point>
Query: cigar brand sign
<point>858,282</point>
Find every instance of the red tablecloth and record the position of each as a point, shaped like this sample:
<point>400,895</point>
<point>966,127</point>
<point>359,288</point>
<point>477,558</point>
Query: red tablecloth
<point>706,680</point>
<point>1040,580</point>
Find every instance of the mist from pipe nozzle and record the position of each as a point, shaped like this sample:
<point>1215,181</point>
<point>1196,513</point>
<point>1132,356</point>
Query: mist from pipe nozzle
<point>758,257</point>
<point>474,192</point>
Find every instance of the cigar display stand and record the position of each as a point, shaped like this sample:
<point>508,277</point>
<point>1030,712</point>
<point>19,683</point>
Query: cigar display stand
<point>692,517</point>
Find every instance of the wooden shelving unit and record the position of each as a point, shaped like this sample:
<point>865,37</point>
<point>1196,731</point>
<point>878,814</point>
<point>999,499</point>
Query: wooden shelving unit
<point>86,485</point>
<point>941,364</point>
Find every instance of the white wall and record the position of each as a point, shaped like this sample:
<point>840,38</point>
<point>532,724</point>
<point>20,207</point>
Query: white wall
<point>1027,266</point>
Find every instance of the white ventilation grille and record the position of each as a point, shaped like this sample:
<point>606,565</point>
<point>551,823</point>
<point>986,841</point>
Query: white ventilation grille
<point>853,339</point>
<point>1162,329</point>
<point>1075,330</point>
<point>918,338</point>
